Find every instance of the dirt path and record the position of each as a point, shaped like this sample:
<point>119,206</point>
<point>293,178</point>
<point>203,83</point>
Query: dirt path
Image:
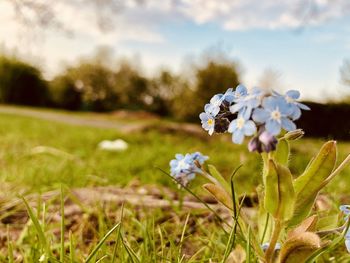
<point>94,120</point>
<point>71,119</point>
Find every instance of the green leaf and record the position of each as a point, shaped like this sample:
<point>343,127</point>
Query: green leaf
<point>312,180</point>
<point>272,197</point>
<point>279,191</point>
<point>220,194</point>
<point>308,225</point>
<point>265,225</point>
<point>216,174</point>
<point>327,222</point>
<point>282,152</point>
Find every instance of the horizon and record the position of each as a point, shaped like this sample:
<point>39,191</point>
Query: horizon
<point>305,45</point>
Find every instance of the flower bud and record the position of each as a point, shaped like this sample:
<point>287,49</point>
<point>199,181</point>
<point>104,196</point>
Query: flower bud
<point>254,145</point>
<point>268,140</point>
<point>294,135</point>
<point>221,125</point>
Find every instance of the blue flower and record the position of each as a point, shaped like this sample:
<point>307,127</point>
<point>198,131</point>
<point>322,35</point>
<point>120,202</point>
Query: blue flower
<point>208,122</point>
<point>246,102</point>
<point>181,163</point>
<point>295,107</point>
<point>241,127</point>
<point>266,245</point>
<point>184,168</point>
<point>347,244</point>
<point>197,156</point>
<point>274,115</point>
<point>346,210</point>
<point>216,101</point>
<point>241,91</point>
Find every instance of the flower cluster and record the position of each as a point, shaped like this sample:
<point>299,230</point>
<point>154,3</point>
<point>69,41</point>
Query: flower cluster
<point>346,210</point>
<point>252,113</point>
<point>185,167</point>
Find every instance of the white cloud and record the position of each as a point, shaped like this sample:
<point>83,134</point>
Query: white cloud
<point>81,23</point>
<point>267,14</point>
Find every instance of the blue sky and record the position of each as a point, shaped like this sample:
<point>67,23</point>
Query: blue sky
<point>305,43</point>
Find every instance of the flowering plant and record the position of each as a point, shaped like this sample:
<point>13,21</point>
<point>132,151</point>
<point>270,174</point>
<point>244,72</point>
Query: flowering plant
<point>288,226</point>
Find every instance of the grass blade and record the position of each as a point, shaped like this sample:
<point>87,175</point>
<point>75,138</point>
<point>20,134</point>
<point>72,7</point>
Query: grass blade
<point>62,250</point>
<point>100,243</point>
<point>71,248</point>
<point>183,234</point>
<point>195,196</point>
<point>38,228</point>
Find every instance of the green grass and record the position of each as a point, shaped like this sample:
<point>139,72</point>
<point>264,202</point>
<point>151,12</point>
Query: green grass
<point>147,150</point>
<point>144,235</point>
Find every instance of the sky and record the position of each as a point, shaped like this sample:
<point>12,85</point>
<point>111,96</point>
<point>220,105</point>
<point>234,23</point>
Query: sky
<point>304,41</point>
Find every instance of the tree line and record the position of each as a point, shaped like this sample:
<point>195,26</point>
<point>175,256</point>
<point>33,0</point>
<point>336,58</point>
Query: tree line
<point>92,85</point>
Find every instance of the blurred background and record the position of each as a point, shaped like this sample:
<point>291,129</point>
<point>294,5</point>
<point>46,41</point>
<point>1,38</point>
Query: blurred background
<point>169,57</point>
<point>97,95</point>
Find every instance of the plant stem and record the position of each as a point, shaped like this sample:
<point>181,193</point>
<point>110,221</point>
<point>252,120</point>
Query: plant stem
<point>275,235</point>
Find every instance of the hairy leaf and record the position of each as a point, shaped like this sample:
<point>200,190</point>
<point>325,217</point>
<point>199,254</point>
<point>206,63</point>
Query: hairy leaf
<point>308,225</point>
<point>220,194</point>
<point>217,175</point>
<point>312,180</point>
<point>282,152</point>
<point>298,248</point>
<point>279,191</point>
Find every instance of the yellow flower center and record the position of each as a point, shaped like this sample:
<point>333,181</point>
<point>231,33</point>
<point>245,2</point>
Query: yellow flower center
<point>240,123</point>
<point>210,122</point>
<point>276,115</point>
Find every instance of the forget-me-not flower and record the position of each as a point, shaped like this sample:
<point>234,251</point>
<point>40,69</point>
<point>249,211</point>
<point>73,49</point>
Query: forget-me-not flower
<point>208,122</point>
<point>266,245</point>
<point>346,210</point>
<point>184,168</point>
<point>240,92</point>
<point>294,106</point>
<point>216,101</point>
<point>274,115</point>
<point>246,103</point>
<point>241,127</point>
<point>197,156</point>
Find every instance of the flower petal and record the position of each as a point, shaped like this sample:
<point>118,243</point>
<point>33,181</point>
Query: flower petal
<point>236,107</point>
<point>216,99</point>
<point>347,244</point>
<point>273,127</point>
<point>242,90</point>
<point>233,126</point>
<point>295,112</point>
<point>288,125</point>
<point>270,103</point>
<point>238,137</point>
<point>249,128</point>
<point>207,107</point>
<point>294,94</point>
<point>302,106</point>
<point>260,115</point>
<point>203,116</point>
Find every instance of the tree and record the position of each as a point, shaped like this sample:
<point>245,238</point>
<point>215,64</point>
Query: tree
<point>22,83</point>
<point>214,77</point>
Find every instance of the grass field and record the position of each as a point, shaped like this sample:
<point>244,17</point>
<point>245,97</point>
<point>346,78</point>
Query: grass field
<point>162,235</point>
